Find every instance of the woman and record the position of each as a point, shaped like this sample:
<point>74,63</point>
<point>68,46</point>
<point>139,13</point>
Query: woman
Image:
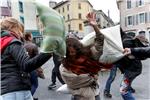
<point>32,50</point>
<point>16,63</point>
<point>80,68</point>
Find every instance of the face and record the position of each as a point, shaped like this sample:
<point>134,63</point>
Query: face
<point>72,51</point>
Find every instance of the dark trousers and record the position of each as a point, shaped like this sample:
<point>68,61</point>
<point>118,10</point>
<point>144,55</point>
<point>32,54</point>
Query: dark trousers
<point>55,71</point>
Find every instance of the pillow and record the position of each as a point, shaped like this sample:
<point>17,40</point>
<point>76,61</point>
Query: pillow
<point>112,48</point>
<point>54,30</point>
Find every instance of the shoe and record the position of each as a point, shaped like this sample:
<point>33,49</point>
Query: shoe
<point>107,94</point>
<point>52,86</point>
<point>132,90</point>
<point>35,98</point>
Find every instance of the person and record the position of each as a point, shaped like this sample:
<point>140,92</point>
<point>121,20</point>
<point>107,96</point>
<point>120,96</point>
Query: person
<point>16,63</point>
<point>109,81</point>
<point>113,70</point>
<point>80,68</point>
<point>32,50</point>
<point>143,52</point>
<point>56,72</point>
<point>131,67</point>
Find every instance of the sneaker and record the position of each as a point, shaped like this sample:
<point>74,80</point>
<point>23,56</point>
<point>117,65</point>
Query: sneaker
<point>52,86</point>
<point>35,98</point>
<point>107,94</point>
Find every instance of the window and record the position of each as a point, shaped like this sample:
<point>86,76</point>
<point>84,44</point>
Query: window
<point>130,22</point>
<point>146,17</point>
<point>79,6</point>
<point>22,19</point>
<point>133,19</point>
<point>68,17</point>
<point>149,35</point>
<point>80,26</point>
<point>141,2</point>
<point>137,20</point>
<point>125,21</point>
<point>128,4</point>
<point>64,17</point>
<point>141,18</point>
<point>69,27</point>
<point>63,9</point>
<point>20,6</point>
<point>80,16</point>
<point>68,7</point>
<point>59,10</point>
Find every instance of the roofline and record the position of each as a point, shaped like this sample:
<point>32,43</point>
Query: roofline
<point>63,2</point>
<point>60,3</point>
<point>90,4</point>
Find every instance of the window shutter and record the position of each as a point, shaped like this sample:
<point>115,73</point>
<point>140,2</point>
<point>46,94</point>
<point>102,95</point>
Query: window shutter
<point>137,19</point>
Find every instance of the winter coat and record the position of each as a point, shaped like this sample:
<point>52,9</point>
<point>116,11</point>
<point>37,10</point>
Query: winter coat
<point>142,52</point>
<point>132,67</point>
<point>16,66</point>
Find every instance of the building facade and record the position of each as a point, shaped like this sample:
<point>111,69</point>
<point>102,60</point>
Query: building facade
<point>25,12</point>
<point>74,13</point>
<point>102,19</point>
<point>135,16</point>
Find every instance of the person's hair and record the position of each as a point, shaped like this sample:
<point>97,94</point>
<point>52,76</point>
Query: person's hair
<point>27,36</point>
<point>83,62</point>
<point>13,25</point>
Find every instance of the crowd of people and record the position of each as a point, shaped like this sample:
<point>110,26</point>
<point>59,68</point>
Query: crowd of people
<point>20,61</point>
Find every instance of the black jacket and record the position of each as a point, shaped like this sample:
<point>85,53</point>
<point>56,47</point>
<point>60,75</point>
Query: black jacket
<point>15,66</point>
<point>131,67</point>
<point>142,52</point>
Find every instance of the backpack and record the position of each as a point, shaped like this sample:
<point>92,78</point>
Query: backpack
<point>5,41</point>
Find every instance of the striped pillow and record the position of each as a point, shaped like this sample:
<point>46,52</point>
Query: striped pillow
<point>54,30</point>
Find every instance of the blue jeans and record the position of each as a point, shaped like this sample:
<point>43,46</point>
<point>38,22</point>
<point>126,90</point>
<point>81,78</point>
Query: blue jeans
<point>124,89</point>
<point>34,81</point>
<point>19,95</point>
<point>111,78</point>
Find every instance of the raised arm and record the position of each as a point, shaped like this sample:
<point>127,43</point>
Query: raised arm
<point>91,17</point>
<point>99,40</point>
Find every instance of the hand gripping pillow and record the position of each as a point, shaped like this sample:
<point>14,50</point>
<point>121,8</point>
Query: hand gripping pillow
<point>54,30</point>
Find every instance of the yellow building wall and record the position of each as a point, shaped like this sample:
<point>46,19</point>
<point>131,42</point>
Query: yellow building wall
<point>73,13</point>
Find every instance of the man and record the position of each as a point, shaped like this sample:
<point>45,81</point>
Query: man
<point>55,72</point>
